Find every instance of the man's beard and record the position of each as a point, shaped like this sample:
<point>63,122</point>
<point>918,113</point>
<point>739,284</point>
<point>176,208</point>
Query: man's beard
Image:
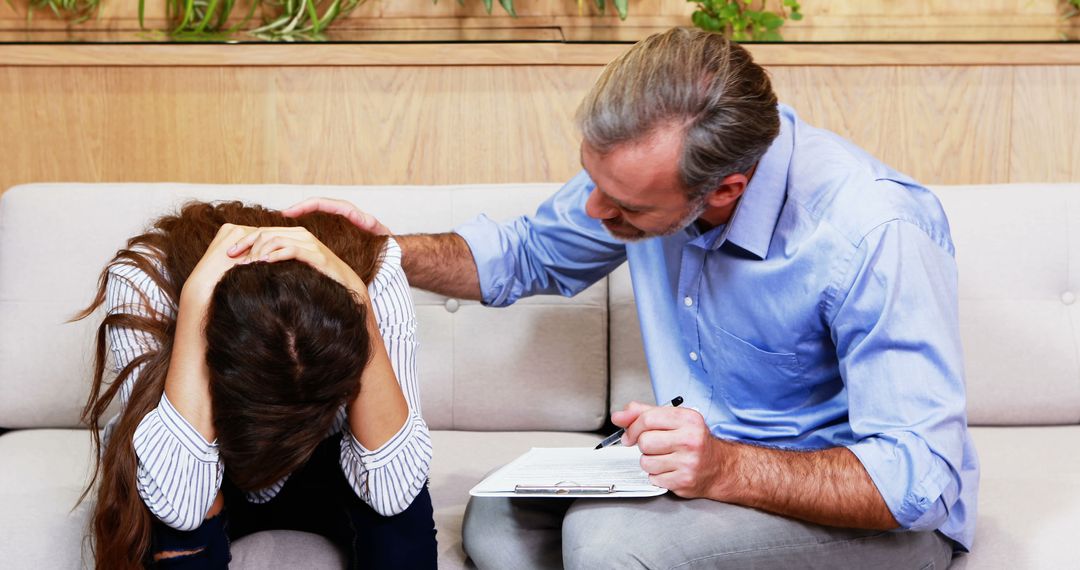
<point>623,231</point>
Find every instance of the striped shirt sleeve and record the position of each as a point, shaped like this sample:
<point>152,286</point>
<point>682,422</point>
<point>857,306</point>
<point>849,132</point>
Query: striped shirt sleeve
<point>390,477</point>
<point>179,473</point>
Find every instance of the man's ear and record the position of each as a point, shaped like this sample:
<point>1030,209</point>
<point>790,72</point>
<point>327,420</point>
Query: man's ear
<point>731,188</point>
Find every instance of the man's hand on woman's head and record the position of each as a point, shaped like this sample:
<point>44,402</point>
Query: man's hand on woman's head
<point>358,217</point>
<point>279,244</point>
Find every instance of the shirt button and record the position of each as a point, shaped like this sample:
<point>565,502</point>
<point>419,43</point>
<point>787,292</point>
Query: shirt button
<point>688,301</point>
<point>1068,297</point>
<point>452,305</point>
<point>693,356</point>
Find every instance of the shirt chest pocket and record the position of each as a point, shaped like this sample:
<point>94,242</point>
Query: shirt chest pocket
<point>758,386</point>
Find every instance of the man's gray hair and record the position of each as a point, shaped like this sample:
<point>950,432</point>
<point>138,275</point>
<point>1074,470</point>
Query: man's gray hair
<point>699,81</point>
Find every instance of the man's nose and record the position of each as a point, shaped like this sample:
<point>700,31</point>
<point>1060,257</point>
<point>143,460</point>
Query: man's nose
<point>600,208</point>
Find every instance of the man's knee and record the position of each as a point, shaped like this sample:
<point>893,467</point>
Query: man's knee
<point>595,538</point>
<point>479,529</point>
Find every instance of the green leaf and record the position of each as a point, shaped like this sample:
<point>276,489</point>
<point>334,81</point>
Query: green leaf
<point>706,22</point>
<point>508,5</point>
<point>487,6</point>
<point>796,16</point>
<point>601,5</point>
<point>142,9</point>
<point>770,21</point>
<point>622,7</point>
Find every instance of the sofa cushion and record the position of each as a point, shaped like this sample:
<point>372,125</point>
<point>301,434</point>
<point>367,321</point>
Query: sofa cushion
<point>1029,497</point>
<point>1017,249</point>
<point>43,472</point>
<point>50,257</point>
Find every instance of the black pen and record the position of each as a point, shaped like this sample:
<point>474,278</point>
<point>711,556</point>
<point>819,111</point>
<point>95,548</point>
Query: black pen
<point>675,402</point>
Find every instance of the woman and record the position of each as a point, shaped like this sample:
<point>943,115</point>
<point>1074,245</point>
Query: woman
<point>273,390</point>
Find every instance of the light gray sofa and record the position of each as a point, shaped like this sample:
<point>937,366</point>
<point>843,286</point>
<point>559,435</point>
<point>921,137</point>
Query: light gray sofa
<point>545,372</point>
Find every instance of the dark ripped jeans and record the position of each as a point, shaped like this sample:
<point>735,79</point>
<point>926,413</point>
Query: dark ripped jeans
<point>317,498</point>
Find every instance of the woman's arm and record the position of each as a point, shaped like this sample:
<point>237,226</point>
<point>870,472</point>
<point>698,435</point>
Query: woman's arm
<point>178,472</point>
<point>187,384</point>
<point>388,473</point>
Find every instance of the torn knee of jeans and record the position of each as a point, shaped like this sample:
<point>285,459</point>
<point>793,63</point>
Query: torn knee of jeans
<point>169,554</point>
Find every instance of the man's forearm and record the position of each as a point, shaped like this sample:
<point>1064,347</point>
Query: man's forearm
<point>441,263</point>
<point>829,487</point>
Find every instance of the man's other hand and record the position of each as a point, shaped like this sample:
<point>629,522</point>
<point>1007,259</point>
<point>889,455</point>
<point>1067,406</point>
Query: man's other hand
<point>678,451</point>
<point>358,217</point>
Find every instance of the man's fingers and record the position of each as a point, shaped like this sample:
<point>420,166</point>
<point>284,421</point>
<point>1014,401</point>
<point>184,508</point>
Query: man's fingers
<point>659,442</point>
<point>657,418</point>
<point>658,464</point>
<point>309,205</point>
<point>675,481</point>
<point>628,414</point>
<point>358,217</point>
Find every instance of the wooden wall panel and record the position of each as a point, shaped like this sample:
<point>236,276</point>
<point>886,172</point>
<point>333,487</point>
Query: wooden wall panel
<point>179,124</point>
<point>340,125</point>
<point>942,125</point>
<point>1046,125</point>
<point>428,125</point>
<point>51,125</point>
<point>489,124</point>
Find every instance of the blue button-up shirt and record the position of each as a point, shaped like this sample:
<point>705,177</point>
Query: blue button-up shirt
<point>823,314</point>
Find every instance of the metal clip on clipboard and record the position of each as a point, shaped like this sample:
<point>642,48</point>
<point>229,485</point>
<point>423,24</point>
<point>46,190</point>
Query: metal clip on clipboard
<point>565,488</point>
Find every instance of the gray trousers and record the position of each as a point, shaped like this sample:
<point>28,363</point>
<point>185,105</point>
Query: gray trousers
<point>669,532</point>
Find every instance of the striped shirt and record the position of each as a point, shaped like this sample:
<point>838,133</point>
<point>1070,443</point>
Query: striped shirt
<point>180,473</point>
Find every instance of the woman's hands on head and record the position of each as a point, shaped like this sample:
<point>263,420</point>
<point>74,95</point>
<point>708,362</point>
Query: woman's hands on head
<point>235,244</point>
<point>279,244</point>
<point>214,263</point>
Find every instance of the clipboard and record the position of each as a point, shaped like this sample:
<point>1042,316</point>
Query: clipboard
<point>570,472</point>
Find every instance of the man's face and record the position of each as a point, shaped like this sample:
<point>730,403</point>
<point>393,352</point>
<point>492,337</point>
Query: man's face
<point>638,194</point>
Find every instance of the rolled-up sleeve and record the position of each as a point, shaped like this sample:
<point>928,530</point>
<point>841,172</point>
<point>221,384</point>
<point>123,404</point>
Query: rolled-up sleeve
<point>557,250</point>
<point>896,330</point>
<point>178,472</point>
<point>390,477</point>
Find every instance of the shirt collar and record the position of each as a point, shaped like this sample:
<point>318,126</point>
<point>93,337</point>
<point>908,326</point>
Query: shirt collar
<point>752,224</point>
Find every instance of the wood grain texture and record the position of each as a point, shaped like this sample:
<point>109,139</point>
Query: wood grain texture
<point>489,124</point>
<point>929,122</point>
<point>1045,138</point>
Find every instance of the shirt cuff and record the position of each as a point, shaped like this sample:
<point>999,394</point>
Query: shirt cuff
<point>911,479</point>
<point>489,253</point>
<point>372,459</point>
<point>185,433</point>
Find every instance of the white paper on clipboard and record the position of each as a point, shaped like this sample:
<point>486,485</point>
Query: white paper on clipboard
<point>570,469</point>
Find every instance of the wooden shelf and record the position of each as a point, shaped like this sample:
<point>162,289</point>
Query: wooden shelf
<point>552,53</point>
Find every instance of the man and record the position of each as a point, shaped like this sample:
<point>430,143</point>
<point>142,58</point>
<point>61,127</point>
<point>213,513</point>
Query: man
<point>800,296</point>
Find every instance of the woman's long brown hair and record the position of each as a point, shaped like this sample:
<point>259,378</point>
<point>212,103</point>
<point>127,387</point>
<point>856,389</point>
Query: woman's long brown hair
<point>168,252</point>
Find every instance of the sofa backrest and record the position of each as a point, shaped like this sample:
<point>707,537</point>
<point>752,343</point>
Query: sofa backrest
<point>480,368</point>
<point>1018,254</point>
<point>491,369</point>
